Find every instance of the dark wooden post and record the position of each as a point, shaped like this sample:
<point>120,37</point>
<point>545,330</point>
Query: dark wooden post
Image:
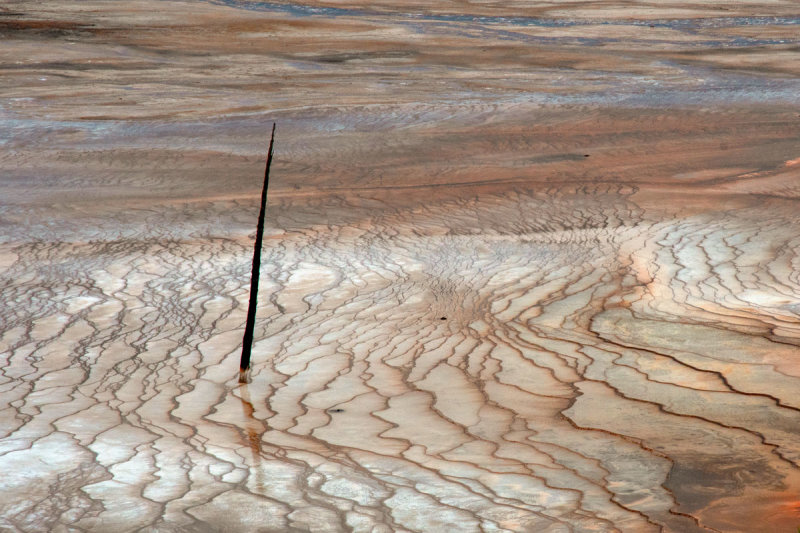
<point>247,341</point>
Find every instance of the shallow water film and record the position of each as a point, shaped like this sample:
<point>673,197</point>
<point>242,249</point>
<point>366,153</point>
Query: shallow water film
<point>527,267</point>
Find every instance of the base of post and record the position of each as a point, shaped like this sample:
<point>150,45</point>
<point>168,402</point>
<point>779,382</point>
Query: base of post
<point>244,375</point>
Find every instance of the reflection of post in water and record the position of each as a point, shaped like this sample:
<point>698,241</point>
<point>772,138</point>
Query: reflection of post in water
<point>254,430</point>
<point>247,341</point>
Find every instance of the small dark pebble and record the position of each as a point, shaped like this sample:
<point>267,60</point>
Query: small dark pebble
<point>585,155</point>
<point>336,410</point>
<point>443,318</point>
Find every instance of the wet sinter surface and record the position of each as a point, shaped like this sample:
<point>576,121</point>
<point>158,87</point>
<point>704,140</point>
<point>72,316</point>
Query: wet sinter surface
<point>528,266</point>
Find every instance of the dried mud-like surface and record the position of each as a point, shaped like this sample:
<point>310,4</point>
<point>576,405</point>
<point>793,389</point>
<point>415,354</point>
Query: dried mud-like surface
<point>529,266</point>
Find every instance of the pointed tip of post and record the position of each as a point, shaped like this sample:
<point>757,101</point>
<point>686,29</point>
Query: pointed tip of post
<point>271,142</point>
<point>244,375</point>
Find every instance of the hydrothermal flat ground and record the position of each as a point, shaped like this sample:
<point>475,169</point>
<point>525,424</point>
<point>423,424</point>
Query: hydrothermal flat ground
<point>529,266</point>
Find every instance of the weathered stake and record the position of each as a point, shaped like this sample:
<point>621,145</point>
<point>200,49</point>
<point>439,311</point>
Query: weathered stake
<point>247,341</point>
